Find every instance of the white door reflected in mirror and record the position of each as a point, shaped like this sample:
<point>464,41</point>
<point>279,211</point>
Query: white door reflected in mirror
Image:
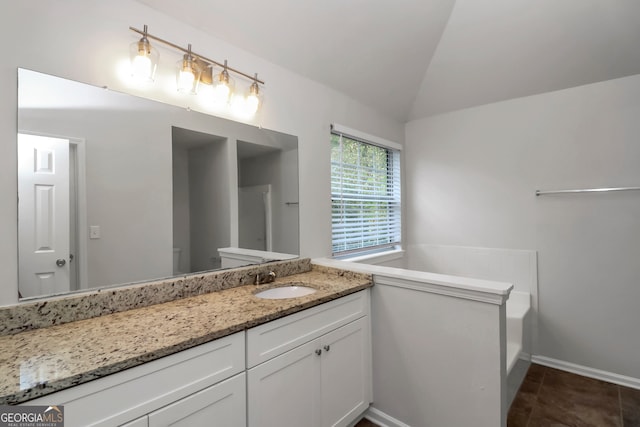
<point>43,215</point>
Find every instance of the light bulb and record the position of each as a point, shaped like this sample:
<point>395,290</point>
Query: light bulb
<point>238,105</point>
<point>252,103</point>
<point>185,80</point>
<point>221,93</point>
<point>141,67</point>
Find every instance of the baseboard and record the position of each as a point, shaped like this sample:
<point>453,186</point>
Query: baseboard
<point>382,419</point>
<point>587,372</point>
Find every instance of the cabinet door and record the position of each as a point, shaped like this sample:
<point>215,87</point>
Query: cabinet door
<point>345,373</point>
<point>223,404</point>
<point>284,392</point>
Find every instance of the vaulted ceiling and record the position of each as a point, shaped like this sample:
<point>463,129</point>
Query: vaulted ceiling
<point>415,58</point>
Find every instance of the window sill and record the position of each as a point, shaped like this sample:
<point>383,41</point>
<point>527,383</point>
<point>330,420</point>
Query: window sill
<point>378,257</point>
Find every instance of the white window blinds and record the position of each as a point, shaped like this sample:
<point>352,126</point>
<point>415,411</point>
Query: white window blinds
<point>365,195</point>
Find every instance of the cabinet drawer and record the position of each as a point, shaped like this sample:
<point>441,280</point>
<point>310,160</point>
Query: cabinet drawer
<point>118,398</point>
<point>223,404</point>
<point>274,338</point>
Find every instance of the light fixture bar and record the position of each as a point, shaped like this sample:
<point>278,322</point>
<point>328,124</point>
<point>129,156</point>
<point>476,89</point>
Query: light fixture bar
<point>196,55</point>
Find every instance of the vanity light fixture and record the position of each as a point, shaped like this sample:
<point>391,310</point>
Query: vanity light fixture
<point>193,70</point>
<point>144,58</point>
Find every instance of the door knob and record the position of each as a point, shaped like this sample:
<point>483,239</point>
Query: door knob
<point>327,347</point>
<point>60,262</point>
<point>318,352</point>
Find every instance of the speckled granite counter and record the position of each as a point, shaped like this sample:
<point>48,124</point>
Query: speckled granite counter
<point>41,361</point>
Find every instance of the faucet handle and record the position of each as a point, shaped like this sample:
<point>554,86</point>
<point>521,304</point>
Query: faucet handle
<point>268,278</point>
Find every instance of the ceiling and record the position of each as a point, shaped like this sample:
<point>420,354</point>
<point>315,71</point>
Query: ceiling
<point>414,58</point>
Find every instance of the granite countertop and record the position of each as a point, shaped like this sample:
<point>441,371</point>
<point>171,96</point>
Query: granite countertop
<point>41,361</point>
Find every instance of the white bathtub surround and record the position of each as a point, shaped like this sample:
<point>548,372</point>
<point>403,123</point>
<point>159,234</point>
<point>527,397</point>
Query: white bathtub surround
<point>518,341</point>
<point>438,346</point>
<point>393,258</point>
<point>518,308</point>
<point>516,266</point>
<point>519,267</point>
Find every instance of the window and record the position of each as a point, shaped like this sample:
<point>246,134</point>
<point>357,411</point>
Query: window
<point>365,194</point>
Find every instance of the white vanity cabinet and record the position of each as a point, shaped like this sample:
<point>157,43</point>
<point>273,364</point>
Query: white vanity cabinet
<point>312,368</point>
<point>204,381</point>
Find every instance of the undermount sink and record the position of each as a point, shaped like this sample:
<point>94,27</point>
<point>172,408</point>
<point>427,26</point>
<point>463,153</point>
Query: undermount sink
<point>283,292</point>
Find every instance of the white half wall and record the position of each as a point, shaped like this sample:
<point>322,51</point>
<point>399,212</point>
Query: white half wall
<point>88,41</point>
<point>439,347</point>
<point>471,181</point>
<point>437,359</point>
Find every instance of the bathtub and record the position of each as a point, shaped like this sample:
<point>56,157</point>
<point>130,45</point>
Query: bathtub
<point>421,322</point>
<point>518,267</point>
<point>517,308</point>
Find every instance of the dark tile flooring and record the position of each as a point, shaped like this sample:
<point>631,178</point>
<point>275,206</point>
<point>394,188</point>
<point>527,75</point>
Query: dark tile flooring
<point>552,398</point>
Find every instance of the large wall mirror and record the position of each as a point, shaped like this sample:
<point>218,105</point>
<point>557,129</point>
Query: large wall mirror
<point>115,189</point>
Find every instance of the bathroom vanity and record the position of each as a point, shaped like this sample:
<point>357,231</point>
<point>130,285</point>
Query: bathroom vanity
<point>225,356</point>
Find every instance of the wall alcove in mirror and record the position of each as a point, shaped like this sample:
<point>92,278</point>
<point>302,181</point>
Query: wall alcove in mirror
<point>136,188</point>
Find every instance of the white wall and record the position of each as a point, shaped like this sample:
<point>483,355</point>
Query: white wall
<point>471,181</point>
<point>88,40</point>
<point>209,215</point>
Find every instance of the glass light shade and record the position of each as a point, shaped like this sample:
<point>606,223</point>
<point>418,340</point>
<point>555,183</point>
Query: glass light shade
<point>187,75</point>
<point>222,88</point>
<point>253,99</point>
<point>144,60</point>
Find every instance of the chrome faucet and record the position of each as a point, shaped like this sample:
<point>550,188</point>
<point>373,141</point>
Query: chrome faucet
<point>268,278</point>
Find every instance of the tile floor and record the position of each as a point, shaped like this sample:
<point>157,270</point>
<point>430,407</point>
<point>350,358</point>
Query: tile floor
<point>549,397</point>
<point>552,398</point>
